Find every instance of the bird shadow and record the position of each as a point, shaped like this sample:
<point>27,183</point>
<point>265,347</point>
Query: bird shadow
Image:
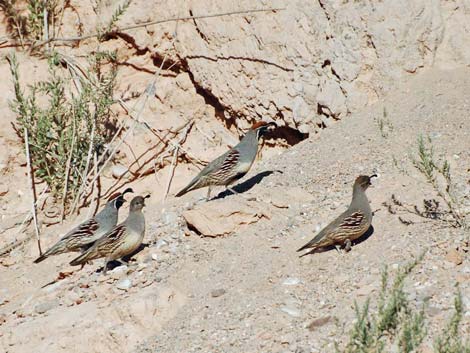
<point>113,264</point>
<point>359,240</point>
<point>246,185</point>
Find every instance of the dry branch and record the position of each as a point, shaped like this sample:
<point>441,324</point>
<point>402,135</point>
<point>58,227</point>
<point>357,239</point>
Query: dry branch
<point>33,189</point>
<point>151,23</point>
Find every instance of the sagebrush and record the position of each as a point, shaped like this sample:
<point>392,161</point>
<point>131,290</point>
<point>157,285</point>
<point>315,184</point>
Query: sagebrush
<point>68,117</point>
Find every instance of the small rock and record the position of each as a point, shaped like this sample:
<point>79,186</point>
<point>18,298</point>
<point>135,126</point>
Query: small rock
<point>454,257</point>
<point>4,189</point>
<point>124,284</point>
<point>318,322</point>
<point>170,217</point>
<point>217,292</point>
<point>291,281</point>
<point>46,306</point>
<point>118,272</point>
<point>118,171</point>
<point>291,311</point>
<point>161,243</point>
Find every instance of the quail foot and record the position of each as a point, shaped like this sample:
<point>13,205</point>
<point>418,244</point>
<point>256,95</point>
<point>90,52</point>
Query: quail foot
<point>120,241</point>
<point>233,164</point>
<point>79,238</point>
<point>350,225</point>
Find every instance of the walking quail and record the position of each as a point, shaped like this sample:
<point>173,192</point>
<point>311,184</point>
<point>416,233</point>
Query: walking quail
<point>80,237</point>
<point>120,241</point>
<point>233,164</point>
<point>350,225</point>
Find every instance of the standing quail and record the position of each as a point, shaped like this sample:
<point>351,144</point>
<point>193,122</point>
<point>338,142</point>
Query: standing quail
<point>233,164</point>
<point>350,225</point>
<point>83,235</point>
<point>120,241</point>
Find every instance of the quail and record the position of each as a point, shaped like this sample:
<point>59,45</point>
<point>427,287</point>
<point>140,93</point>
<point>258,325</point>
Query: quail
<point>80,237</point>
<point>120,241</point>
<point>350,225</point>
<point>233,164</point>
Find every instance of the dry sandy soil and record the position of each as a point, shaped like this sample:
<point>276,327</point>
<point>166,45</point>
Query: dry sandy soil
<point>333,70</point>
<point>249,291</point>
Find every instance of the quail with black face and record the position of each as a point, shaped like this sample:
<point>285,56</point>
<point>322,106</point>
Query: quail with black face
<point>233,164</point>
<point>80,237</point>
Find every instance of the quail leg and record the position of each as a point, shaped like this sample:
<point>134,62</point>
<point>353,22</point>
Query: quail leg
<point>248,198</point>
<point>208,193</point>
<point>105,268</point>
<point>347,245</point>
<point>122,262</point>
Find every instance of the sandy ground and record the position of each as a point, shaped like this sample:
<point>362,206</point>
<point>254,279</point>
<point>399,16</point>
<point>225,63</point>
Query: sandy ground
<point>249,291</point>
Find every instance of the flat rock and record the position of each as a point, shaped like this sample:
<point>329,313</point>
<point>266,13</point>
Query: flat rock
<point>290,310</point>
<point>124,284</point>
<point>218,292</point>
<point>41,308</point>
<point>217,218</point>
<point>454,256</point>
<point>118,171</point>
<point>318,322</point>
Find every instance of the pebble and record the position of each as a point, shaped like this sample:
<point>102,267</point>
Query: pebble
<point>118,171</point>
<point>118,272</point>
<point>218,292</point>
<point>161,243</point>
<point>124,284</point>
<point>4,189</point>
<point>291,311</point>
<point>291,281</point>
<point>318,322</point>
<point>46,306</point>
<point>454,257</point>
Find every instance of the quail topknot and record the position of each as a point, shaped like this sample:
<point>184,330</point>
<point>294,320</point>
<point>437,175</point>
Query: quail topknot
<point>348,226</point>
<point>80,237</point>
<point>120,241</point>
<point>233,164</point>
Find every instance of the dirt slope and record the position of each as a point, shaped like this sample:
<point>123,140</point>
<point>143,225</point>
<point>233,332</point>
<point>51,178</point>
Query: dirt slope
<point>249,292</point>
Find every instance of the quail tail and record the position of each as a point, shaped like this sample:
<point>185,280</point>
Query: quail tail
<point>55,250</point>
<point>80,260</point>
<point>40,258</point>
<point>188,187</point>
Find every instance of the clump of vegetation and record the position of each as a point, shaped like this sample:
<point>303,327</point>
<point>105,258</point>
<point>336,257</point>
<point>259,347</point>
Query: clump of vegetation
<point>432,169</point>
<point>38,21</point>
<point>449,341</point>
<point>384,124</point>
<point>438,175</point>
<point>103,33</point>
<point>398,324</point>
<point>67,118</point>
<point>395,323</point>
<point>27,20</point>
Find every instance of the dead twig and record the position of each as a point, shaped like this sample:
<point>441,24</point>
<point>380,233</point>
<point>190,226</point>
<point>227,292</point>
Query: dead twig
<point>174,161</point>
<point>33,189</point>
<point>151,23</point>
<point>87,164</point>
<point>67,173</point>
<point>10,247</point>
